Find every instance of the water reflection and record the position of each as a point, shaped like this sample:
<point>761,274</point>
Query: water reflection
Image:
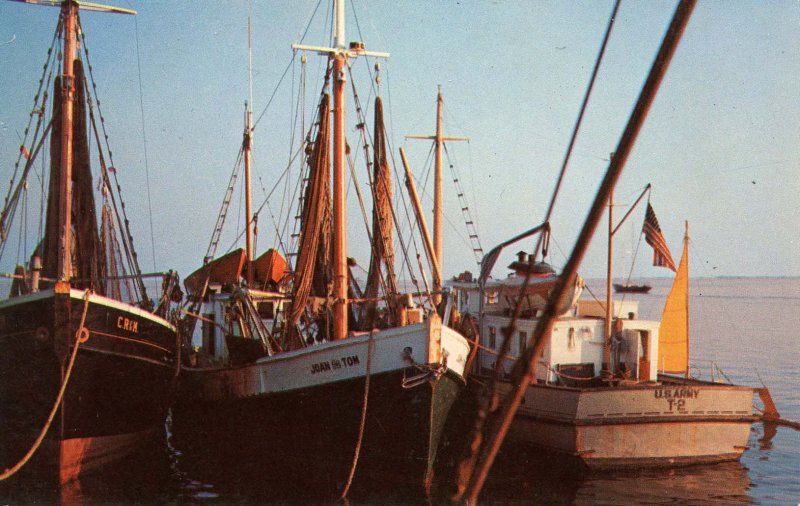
<point>518,480</point>
<point>144,477</point>
<point>770,431</point>
<point>165,475</point>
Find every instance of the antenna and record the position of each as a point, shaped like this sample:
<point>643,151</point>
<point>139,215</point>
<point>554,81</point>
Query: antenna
<point>250,63</point>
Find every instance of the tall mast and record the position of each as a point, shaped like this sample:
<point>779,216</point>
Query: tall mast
<point>437,198</point>
<point>340,283</point>
<point>340,53</point>
<point>609,295</point>
<point>247,148</point>
<point>609,268</point>
<point>685,255</point>
<point>69,11</point>
<point>438,140</point>
<point>69,14</point>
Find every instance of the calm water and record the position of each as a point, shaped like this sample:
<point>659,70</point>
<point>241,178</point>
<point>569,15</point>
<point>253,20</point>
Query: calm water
<point>750,328</point>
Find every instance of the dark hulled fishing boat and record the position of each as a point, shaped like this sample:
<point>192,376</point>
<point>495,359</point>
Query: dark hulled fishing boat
<point>86,362</point>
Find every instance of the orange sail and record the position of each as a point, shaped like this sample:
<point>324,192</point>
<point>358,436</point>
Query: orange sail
<point>673,333</point>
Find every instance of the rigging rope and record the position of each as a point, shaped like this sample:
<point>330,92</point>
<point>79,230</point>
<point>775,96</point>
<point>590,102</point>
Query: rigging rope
<point>363,422</point>
<point>635,255</point>
<point>144,143</point>
<point>122,218</point>
<point>11,200</point>
<point>579,120</point>
<point>81,336</point>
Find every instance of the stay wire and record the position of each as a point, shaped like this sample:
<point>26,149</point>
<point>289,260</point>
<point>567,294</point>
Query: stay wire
<point>144,142</point>
<point>286,70</point>
<point>579,121</point>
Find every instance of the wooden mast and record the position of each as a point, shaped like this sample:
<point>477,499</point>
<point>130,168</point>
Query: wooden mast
<point>686,256</point>
<point>340,53</point>
<point>438,140</point>
<point>69,11</point>
<point>247,148</point>
<point>607,366</point>
<point>437,201</point>
<point>340,283</point>
<point>609,295</point>
<point>69,14</point>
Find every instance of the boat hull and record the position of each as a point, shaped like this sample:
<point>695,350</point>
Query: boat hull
<point>117,395</point>
<point>632,288</point>
<point>299,415</point>
<point>643,425</point>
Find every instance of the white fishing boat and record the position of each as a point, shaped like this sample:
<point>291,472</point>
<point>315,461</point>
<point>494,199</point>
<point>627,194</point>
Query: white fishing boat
<point>299,372</point>
<point>606,399</point>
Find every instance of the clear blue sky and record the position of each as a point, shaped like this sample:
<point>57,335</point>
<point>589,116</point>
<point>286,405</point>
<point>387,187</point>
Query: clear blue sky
<point>721,145</point>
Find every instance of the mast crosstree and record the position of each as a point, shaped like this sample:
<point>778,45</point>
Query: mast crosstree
<point>439,139</point>
<point>340,54</point>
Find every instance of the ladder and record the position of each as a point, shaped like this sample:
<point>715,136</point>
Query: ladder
<point>223,213</point>
<point>472,231</point>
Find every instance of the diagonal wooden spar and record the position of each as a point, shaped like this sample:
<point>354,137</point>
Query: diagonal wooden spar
<point>84,6</point>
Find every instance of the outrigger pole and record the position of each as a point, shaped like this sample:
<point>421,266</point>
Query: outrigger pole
<point>525,368</point>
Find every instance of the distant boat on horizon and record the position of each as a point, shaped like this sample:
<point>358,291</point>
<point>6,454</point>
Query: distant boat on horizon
<point>631,288</point>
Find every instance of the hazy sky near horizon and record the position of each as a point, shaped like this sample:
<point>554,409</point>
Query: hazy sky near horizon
<point>721,144</point>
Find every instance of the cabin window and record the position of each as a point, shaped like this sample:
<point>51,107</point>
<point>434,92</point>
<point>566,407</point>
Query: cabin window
<point>644,351</point>
<point>644,355</point>
<point>523,342</point>
<point>236,329</point>
<point>208,332</point>
<point>491,297</point>
<point>266,310</point>
<point>492,337</point>
<point>234,317</point>
<point>571,339</point>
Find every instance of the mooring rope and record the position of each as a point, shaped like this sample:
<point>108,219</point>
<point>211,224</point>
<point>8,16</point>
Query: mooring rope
<point>362,426</point>
<point>81,336</point>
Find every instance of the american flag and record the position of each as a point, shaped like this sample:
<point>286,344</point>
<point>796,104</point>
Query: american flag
<point>654,237</point>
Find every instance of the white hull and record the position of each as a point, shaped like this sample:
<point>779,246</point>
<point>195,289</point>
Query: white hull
<point>430,343</point>
<point>644,425</point>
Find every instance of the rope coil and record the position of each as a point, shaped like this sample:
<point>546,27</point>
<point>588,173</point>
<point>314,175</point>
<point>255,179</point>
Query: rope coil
<point>427,372</point>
